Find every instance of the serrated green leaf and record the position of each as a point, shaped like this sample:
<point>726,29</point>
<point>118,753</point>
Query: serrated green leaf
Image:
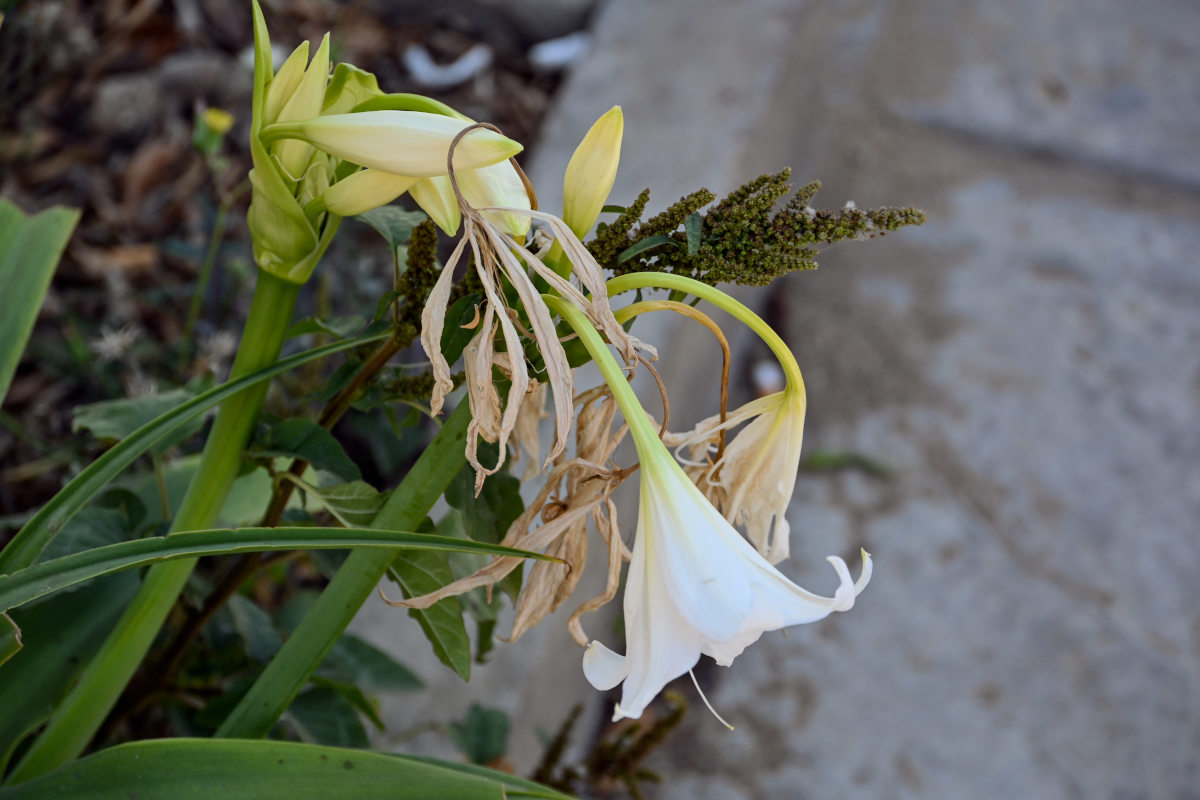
<point>358,662</point>
<point>353,504</point>
<point>308,441</point>
<point>393,223</point>
<point>258,634</point>
<point>649,243</point>
<point>114,420</point>
<point>418,573</point>
<point>482,736</point>
<point>30,247</point>
<point>201,769</point>
<point>455,337</point>
<point>693,224</point>
<point>340,327</point>
<point>322,716</point>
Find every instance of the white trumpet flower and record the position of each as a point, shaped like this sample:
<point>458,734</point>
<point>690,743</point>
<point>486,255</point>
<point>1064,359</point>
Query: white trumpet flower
<point>695,586</point>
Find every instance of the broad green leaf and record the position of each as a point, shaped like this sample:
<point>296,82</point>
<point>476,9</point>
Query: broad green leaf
<point>306,440</point>
<point>483,735</point>
<point>418,573</point>
<point>340,327</point>
<point>30,247</point>
<point>693,224</point>
<point>649,243</point>
<point>393,223</point>
<point>487,517</point>
<point>455,337</point>
<point>50,576</point>
<point>45,525</point>
<point>203,769</point>
<point>353,660</point>
<point>254,626</point>
<point>322,716</point>
<point>116,419</point>
<point>353,504</point>
<point>61,634</point>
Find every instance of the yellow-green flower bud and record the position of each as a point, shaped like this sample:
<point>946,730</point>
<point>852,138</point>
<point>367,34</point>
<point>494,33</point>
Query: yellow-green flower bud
<point>410,143</point>
<point>284,83</point>
<point>591,172</point>
<point>364,190</point>
<point>436,198</point>
<point>305,101</point>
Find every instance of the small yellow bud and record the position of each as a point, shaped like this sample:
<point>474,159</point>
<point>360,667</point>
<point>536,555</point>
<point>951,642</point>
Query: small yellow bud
<point>591,172</point>
<point>218,120</point>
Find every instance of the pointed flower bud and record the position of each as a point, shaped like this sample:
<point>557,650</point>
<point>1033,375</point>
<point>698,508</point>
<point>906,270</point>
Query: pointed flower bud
<point>591,172</point>
<point>412,143</point>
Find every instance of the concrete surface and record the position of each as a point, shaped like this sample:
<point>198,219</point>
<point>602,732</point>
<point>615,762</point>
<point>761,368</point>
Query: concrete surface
<point>1028,363</point>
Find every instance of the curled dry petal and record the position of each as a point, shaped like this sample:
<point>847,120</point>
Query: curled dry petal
<point>753,481</point>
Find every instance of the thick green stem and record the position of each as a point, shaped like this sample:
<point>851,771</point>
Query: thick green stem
<point>662,280</point>
<point>80,714</point>
<point>304,650</point>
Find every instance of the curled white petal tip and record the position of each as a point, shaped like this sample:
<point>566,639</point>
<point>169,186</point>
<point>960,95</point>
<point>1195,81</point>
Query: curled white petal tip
<point>603,668</point>
<point>848,589</point>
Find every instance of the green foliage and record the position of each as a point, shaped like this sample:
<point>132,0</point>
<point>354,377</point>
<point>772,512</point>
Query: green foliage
<point>48,521</point>
<point>393,223</point>
<point>358,662</point>
<point>200,769</point>
<point>322,715</point>
<point>113,420</point>
<point>482,736</point>
<point>746,238</point>
<point>418,573</point>
<point>305,440</point>
<point>30,247</point>
<point>59,636</point>
<point>353,504</point>
<point>47,577</point>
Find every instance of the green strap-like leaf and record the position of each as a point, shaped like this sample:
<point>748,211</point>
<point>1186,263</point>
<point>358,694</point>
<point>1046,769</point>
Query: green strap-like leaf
<point>45,525</point>
<point>50,576</point>
<point>201,769</point>
<point>29,251</point>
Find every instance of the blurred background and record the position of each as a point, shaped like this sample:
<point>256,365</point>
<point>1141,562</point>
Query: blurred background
<point>1004,404</point>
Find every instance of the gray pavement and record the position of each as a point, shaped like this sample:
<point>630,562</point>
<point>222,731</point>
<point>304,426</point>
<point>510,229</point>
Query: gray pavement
<point>1028,363</point>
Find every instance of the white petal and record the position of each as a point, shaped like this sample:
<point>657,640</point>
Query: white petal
<point>603,668</point>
